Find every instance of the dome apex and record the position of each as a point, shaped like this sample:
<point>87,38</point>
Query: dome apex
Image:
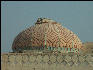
<point>44,20</point>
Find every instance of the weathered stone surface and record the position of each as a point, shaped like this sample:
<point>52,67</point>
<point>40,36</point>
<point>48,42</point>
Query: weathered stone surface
<point>46,62</point>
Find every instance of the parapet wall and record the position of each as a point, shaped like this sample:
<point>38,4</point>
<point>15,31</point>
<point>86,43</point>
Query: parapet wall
<point>27,61</point>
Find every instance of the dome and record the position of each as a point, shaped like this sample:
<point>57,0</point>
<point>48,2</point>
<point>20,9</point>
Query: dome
<point>46,32</point>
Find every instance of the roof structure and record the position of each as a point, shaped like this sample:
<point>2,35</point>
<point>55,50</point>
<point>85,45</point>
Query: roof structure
<point>46,32</point>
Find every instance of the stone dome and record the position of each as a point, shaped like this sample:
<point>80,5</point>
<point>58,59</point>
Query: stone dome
<point>46,32</point>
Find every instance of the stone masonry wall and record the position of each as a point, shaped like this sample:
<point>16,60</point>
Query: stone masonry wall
<point>28,61</point>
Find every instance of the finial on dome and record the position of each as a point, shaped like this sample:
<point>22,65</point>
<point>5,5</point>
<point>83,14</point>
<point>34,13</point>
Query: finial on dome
<point>43,20</point>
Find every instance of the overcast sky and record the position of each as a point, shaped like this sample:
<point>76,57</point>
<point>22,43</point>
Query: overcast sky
<point>17,16</point>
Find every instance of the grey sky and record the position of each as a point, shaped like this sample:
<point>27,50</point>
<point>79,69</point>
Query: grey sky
<point>17,16</point>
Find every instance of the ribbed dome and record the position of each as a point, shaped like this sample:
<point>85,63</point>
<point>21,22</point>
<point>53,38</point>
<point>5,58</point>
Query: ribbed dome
<point>46,32</point>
